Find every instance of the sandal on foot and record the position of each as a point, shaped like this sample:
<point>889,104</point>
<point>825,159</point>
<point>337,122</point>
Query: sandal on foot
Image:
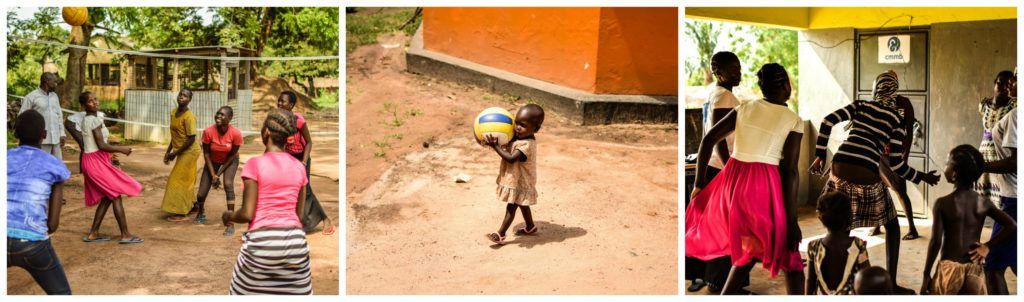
<point>229,231</point>
<point>177,218</point>
<point>329,229</point>
<point>524,231</point>
<point>97,239</point>
<point>696,285</point>
<point>134,239</point>
<point>911,236</point>
<point>200,219</point>
<point>496,238</point>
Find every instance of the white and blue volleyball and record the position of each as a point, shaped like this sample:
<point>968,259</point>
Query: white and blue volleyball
<point>494,121</point>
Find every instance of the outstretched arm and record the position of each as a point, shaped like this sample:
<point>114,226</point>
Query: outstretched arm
<point>825,130</point>
<point>1005,165</point>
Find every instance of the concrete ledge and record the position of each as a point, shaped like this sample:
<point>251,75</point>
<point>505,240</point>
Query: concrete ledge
<point>580,107</point>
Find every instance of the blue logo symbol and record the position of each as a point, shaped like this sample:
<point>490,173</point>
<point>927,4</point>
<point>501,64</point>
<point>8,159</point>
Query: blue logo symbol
<point>894,44</point>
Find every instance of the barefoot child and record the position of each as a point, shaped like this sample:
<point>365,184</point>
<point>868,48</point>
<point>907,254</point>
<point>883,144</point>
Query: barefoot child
<point>517,176</point>
<point>181,183</point>
<point>299,146</point>
<point>274,258</point>
<point>220,153</point>
<point>958,220</point>
<point>835,259</point>
<point>35,182</point>
<point>104,183</point>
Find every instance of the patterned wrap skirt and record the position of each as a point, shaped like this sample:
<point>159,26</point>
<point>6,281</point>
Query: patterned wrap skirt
<point>273,261</point>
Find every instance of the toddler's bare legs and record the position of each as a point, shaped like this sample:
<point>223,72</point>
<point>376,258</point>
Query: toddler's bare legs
<point>527,215</point>
<point>510,214</point>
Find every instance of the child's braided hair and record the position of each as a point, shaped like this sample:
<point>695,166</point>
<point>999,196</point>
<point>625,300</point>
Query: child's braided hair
<point>281,125</point>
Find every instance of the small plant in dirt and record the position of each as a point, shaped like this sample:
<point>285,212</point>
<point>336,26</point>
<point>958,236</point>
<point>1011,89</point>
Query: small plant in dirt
<point>510,98</point>
<point>395,120</point>
<point>415,112</point>
<point>397,136</point>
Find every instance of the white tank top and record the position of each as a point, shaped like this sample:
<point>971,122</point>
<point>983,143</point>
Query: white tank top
<point>761,131</point>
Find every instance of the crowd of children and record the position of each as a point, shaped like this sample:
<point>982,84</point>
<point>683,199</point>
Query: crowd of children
<point>745,211</point>
<point>277,200</point>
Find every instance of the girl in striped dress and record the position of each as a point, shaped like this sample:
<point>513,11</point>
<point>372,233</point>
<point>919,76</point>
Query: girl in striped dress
<point>274,258</point>
<point>854,170</point>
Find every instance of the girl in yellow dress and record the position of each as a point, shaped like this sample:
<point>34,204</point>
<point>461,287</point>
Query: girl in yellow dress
<point>181,184</point>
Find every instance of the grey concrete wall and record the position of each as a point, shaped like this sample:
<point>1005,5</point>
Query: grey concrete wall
<point>826,84</point>
<point>964,59</point>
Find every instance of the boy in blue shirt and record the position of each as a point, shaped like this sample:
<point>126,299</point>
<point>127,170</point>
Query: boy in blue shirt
<point>34,192</point>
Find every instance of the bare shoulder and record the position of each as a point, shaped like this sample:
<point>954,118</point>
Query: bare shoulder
<point>944,202</point>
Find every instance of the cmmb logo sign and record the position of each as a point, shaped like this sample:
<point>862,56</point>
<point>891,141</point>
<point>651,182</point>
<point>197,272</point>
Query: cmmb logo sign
<point>894,49</point>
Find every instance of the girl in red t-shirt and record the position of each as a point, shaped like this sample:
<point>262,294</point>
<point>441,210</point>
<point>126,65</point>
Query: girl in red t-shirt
<point>220,152</point>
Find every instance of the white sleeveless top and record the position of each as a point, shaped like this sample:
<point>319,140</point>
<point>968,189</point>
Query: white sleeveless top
<point>761,131</point>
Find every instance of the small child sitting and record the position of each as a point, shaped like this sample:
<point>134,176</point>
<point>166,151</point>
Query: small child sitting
<point>958,220</point>
<point>833,260</point>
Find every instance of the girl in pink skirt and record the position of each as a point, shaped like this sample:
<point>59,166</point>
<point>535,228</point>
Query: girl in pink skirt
<point>748,211</point>
<point>104,183</point>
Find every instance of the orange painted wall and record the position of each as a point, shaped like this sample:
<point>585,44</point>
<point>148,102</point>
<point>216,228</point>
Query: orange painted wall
<point>557,45</point>
<point>598,50</point>
<point>638,52</point>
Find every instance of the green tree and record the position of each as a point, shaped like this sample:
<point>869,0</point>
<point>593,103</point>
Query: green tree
<point>704,35</point>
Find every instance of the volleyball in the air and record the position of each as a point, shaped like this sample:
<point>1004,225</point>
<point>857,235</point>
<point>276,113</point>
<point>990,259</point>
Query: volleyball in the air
<point>496,122</point>
<point>75,16</point>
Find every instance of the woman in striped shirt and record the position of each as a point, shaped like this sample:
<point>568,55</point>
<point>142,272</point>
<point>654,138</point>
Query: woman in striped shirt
<point>854,169</point>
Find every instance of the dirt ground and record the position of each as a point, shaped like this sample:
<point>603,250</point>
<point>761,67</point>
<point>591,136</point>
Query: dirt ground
<point>912,256</point>
<point>607,208</point>
<point>176,258</point>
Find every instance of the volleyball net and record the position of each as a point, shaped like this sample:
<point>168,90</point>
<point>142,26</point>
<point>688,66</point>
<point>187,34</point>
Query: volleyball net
<point>138,89</point>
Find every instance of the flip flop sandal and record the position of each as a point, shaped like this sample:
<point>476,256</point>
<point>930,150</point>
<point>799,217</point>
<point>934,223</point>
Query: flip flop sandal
<point>329,230</point>
<point>496,238</point>
<point>696,285</point>
<point>97,239</point>
<point>229,231</point>
<point>911,236</point>
<point>177,218</point>
<point>134,239</point>
<point>523,231</point>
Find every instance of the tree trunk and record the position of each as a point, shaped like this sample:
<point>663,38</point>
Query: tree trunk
<point>266,25</point>
<point>311,88</point>
<point>74,79</point>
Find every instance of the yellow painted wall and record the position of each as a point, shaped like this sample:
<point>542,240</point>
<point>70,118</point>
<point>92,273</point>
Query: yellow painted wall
<point>849,17</point>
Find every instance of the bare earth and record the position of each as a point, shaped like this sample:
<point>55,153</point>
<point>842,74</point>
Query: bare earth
<point>607,209</point>
<point>177,258</point>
